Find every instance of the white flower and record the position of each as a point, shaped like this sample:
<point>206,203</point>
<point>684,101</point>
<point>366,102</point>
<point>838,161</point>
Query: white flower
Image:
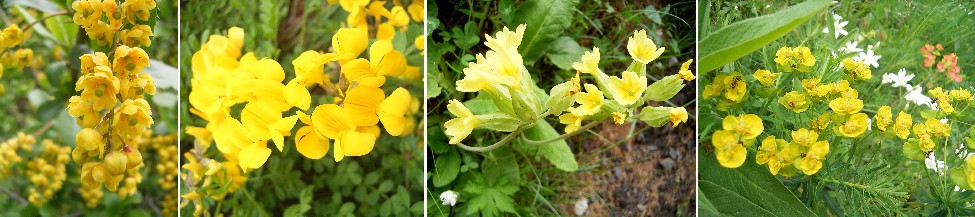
<point>934,164</point>
<point>869,123</point>
<point>449,197</point>
<point>581,206</point>
<point>869,58</point>
<point>851,47</point>
<point>887,78</point>
<point>838,25</point>
<point>919,98</point>
<point>901,79</point>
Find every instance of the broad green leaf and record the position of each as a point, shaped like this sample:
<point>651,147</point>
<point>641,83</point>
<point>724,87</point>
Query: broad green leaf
<point>501,164</point>
<point>741,38</point>
<point>488,199</point>
<point>749,190</point>
<point>447,167</point>
<point>564,52</point>
<point>704,206</point>
<point>557,152</point>
<point>546,20</point>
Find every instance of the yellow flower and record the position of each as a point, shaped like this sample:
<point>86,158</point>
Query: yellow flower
<point>398,17</point>
<point>857,70</point>
<point>87,12</point>
<point>620,118</point>
<point>629,89</point>
<point>296,95</point>
<point>330,120</point>
<point>361,103</point>
<point>962,94</point>
<point>936,128</point>
<point>589,102</point>
<point>846,105</point>
<point>734,86</point>
<point>309,142</point>
<point>812,163</point>
<point>83,110</point>
<point>571,120</point>
<point>112,12</point>
<point>729,150</point>
<point>902,127</point>
<point>132,117</point>
<point>24,57</point>
<point>883,118</point>
<point>925,143</point>
<point>264,122</point>
<point>129,61</point>
<point>88,139</point>
<point>641,48</point>
<point>678,115</point>
<point>392,111</point>
<point>765,77</point>
<point>461,126</point>
<point>12,36</point>
<point>798,59</point>
<point>253,155</point>
<point>349,43</point>
<point>748,126</point>
<point>137,9</point>
<point>821,122</point>
<point>383,61</point>
<point>479,75</point>
<point>100,88</point>
<point>685,73</point>
<point>503,58</point>
<point>777,153</point>
<point>711,90</point>
<point>589,63</point>
<point>814,89</point>
<point>795,101</point>
<point>804,137</point>
<point>854,126</point>
<point>970,167</point>
<point>137,36</point>
<point>420,43</point>
<point>310,67</point>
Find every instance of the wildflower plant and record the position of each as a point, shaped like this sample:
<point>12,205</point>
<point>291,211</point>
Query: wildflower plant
<point>350,100</point>
<point>819,119</point>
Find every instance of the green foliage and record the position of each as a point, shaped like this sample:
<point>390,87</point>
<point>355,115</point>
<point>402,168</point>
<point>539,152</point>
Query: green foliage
<point>748,190</point>
<point>546,20</point>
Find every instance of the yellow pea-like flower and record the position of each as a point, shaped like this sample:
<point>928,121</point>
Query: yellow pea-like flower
<point>385,31</point>
<point>254,155</point>
<point>310,67</point>
<point>383,61</point>
<point>729,149</point>
<point>902,126</point>
<point>353,5</point>
<point>628,89</point>
<point>392,111</point>
<point>266,123</point>
<point>846,105</point>
<point>795,101</point>
<point>416,11</point>
<point>883,118</point>
<point>361,103</point>
<point>854,126</point>
<point>766,77</point>
<point>420,43</point>
<point>678,115</point>
<point>310,143</point>
<point>461,126</point>
<point>100,88</point>
<point>12,36</point>
<point>685,72</point>
<point>398,17</point>
<point>349,43</point>
<point>641,48</point>
<point>589,63</point>
<point>296,95</point>
<point>349,139</point>
<point>748,126</point>
<point>589,102</point>
<point>571,120</point>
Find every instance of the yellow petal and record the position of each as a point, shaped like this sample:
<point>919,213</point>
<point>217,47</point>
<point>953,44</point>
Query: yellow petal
<point>310,67</point>
<point>254,156</point>
<point>269,69</point>
<point>330,120</point>
<point>257,118</point>
<point>349,43</point>
<point>356,143</point>
<point>281,128</point>
<point>296,95</point>
<point>385,31</point>
<point>310,144</point>
<point>360,71</point>
<point>361,103</point>
<point>392,111</point>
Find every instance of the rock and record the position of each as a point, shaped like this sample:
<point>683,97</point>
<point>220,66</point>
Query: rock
<point>668,163</point>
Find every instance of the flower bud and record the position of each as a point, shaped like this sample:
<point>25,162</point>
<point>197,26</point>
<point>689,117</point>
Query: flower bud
<point>79,156</point>
<point>655,116</point>
<point>89,139</point>
<point>134,157</point>
<point>560,98</point>
<point>111,183</point>
<point>115,162</point>
<point>664,89</point>
<point>99,173</point>
<point>499,122</point>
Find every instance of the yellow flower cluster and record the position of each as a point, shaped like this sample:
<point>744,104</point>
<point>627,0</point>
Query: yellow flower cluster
<point>9,155</point>
<point>737,132</point>
<point>730,87</point>
<point>216,178</point>
<point>944,99</point>
<point>46,172</point>
<point>92,196</point>
<point>107,22</point>
<point>396,17</point>
<point>856,70</point>
<point>168,160</point>
<point>13,36</point>
<point>795,59</point>
<point>804,153</point>
<point>111,107</point>
<point>970,172</point>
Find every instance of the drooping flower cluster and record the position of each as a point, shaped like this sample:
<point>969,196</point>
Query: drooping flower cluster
<point>46,172</point>
<point>501,74</point>
<point>11,37</point>
<point>9,155</point>
<point>111,106</point>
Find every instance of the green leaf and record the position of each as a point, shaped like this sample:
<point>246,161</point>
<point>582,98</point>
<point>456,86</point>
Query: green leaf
<point>50,109</point>
<point>704,207</point>
<point>545,20</point>
<point>41,5</point>
<point>749,190</point>
<point>501,164</point>
<point>957,175</point>
<point>564,52</point>
<point>489,199</point>
<point>447,167</point>
<point>557,152</point>
<point>741,38</point>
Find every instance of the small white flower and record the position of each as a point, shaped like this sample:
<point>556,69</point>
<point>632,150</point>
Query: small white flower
<point>869,58</point>
<point>887,78</point>
<point>851,47</point>
<point>582,205</point>
<point>449,197</point>
<point>917,96</point>
<point>838,25</point>
<point>901,79</point>
<point>768,6</point>
<point>934,164</point>
<point>869,123</point>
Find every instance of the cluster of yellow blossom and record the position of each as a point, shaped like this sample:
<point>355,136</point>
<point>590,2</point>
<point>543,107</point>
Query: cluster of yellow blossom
<point>92,196</point>
<point>168,159</point>
<point>944,99</point>
<point>46,172</point>
<point>795,59</point>
<point>111,107</point>
<point>856,70</point>
<point>214,177</point>
<point>395,17</point>
<point>737,132</point>
<point>13,36</point>
<point>731,87</point>
<point>9,155</point>
<point>804,153</point>
<point>501,73</point>
<point>106,22</point>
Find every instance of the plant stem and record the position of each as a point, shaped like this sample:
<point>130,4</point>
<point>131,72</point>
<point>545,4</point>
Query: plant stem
<point>561,137</point>
<point>496,145</point>
<point>29,25</point>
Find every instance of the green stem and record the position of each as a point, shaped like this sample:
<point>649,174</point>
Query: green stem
<point>496,145</point>
<point>561,137</point>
